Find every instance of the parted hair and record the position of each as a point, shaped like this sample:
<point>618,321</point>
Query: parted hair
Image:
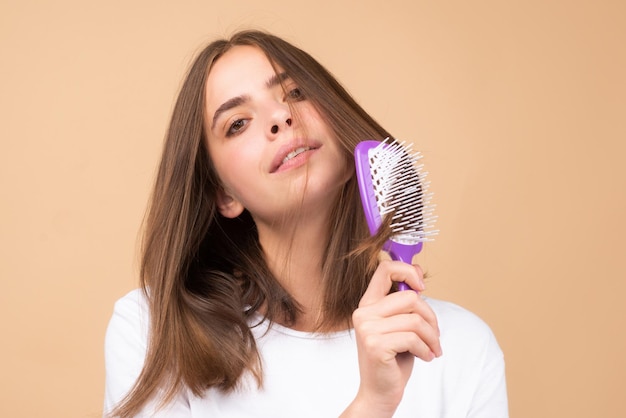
<point>203,274</point>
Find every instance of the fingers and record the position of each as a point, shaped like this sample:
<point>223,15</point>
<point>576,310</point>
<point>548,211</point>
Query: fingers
<point>391,330</point>
<point>401,322</point>
<point>389,272</point>
<point>386,347</point>
<point>400,303</point>
<point>398,322</point>
<point>426,328</point>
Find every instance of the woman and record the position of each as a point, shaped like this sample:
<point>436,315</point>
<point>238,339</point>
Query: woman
<point>262,291</point>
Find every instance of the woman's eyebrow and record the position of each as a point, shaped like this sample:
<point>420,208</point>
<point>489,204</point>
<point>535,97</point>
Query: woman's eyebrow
<point>227,105</point>
<point>276,79</point>
<point>273,81</point>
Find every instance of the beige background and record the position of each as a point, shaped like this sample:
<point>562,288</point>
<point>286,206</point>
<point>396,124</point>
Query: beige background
<point>518,106</point>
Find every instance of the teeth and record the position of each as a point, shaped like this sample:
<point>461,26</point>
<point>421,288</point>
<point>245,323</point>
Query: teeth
<point>295,152</point>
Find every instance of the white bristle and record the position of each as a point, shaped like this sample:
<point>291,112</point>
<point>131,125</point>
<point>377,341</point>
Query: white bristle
<point>401,189</point>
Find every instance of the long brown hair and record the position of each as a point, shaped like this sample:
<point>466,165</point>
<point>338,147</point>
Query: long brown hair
<point>204,274</point>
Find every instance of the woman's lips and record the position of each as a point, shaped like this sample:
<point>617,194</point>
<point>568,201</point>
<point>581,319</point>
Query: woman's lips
<point>296,161</point>
<point>292,155</point>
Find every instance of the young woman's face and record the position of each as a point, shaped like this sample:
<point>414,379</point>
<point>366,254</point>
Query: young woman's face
<point>268,159</point>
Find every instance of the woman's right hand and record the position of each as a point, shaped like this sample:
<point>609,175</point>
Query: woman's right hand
<point>391,330</point>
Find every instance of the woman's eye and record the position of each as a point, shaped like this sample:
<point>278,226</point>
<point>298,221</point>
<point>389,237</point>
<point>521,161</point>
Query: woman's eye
<point>236,126</point>
<point>295,95</point>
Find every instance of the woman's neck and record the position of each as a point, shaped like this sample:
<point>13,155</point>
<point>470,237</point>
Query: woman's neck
<point>295,255</point>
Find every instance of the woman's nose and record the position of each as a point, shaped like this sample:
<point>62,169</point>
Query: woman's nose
<point>275,128</point>
<point>280,119</point>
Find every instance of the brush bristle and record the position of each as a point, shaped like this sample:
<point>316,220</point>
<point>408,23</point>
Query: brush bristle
<point>401,189</point>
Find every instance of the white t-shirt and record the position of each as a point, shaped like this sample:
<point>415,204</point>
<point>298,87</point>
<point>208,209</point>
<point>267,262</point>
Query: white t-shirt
<point>313,375</point>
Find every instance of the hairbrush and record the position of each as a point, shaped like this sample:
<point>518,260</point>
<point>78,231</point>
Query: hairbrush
<point>392,183</point>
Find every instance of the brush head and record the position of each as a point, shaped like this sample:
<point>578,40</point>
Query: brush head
<point>392,181</point>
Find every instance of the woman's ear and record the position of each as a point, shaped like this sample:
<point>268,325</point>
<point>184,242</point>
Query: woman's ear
<point>228,206</point>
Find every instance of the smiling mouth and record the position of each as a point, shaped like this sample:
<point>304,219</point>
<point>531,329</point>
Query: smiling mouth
<point>294,153</point>
<point>293,158</point>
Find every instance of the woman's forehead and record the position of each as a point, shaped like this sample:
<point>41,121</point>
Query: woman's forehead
<point>239,68</point>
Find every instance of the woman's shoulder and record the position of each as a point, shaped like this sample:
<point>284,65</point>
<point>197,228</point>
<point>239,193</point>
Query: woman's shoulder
<point>135,298</point>
<point>460,324</point>
<point>130,318</point>
<point>125,345</point>
<point>472,363</point>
